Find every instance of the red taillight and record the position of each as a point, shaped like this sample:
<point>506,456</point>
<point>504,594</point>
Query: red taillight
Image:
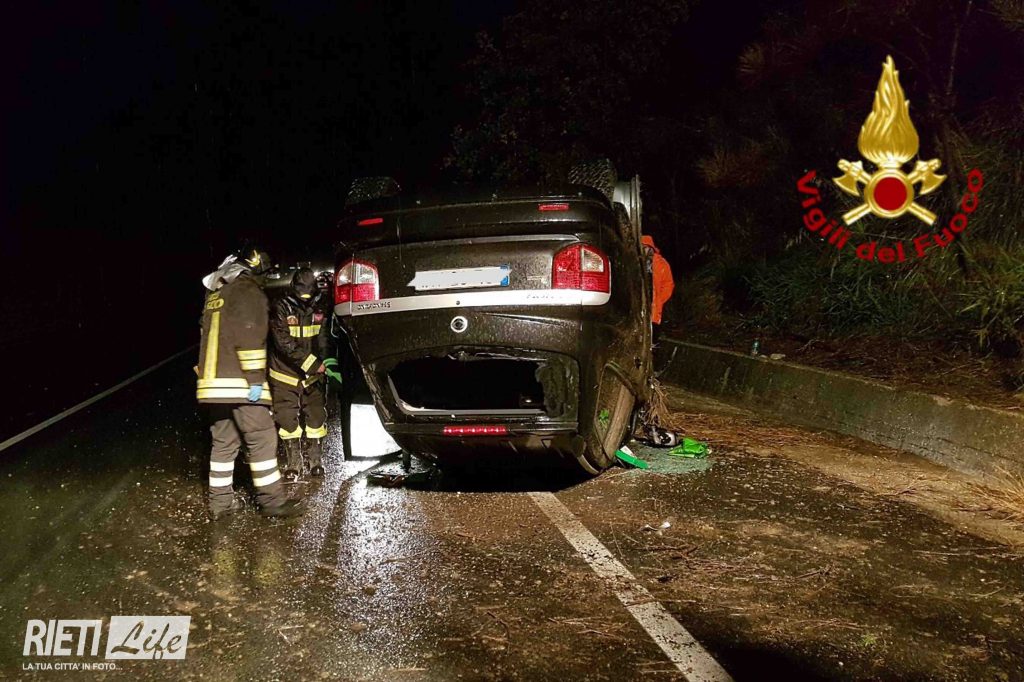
<point>356,281</point>
<point>581,267</point>
<point>479,430</point>
<point>553,207</point>
<point>366,222</point>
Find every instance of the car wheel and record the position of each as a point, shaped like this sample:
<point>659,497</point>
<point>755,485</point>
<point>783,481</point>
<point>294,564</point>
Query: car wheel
<point>610,427</point>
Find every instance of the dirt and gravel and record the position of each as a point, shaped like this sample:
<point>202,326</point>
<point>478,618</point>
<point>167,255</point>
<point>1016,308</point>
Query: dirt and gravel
<point>788,554</point>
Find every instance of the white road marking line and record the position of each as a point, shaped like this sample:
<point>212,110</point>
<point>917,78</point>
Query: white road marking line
<point>14,440</point>
<point>696,664</point>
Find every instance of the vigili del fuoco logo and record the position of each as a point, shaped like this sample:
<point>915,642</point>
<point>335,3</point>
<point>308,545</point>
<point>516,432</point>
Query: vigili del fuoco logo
<point>889,141</point>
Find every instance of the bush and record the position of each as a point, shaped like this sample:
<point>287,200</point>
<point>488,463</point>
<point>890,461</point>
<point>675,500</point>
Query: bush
<point>811,294</point>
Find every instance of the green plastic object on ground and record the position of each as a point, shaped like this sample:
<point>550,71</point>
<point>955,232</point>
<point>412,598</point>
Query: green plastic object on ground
<point>626,456</point>
<point>331,369</point>
<point>690,448</point>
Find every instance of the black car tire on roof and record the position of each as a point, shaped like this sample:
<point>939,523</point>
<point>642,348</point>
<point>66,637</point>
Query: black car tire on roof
<point>599,174</point>
<point>365,189</point>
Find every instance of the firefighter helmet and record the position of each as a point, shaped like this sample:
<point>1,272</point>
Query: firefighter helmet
<point>304,284</point>
<point>255,260</point>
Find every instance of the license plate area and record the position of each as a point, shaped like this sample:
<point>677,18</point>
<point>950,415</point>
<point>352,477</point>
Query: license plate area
<point>461,278</point>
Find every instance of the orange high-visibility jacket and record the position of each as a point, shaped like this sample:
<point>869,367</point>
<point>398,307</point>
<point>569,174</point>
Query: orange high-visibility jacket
<point>661,274</point>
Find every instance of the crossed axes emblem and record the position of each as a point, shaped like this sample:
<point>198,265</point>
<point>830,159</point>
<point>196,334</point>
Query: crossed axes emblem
<point>889,192</point>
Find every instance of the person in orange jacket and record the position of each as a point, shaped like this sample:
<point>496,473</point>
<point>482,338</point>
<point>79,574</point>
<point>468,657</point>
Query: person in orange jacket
<point>661,276</point>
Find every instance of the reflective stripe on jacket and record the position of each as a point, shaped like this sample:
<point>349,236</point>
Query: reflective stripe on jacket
<point>299,340</point>
<point>233,347</point>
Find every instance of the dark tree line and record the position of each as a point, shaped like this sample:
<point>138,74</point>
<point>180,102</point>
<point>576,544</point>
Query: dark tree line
<point>556,84</point>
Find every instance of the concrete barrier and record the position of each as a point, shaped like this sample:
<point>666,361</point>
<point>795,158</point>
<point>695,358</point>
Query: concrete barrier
<point>969,438</point>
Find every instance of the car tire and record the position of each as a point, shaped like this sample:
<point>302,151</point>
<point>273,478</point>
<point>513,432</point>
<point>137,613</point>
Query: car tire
<point>599,174</point>
<point>367,189</point>
<point>599,453</point>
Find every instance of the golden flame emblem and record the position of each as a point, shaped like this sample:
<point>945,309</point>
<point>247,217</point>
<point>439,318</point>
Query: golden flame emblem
<point>888,139</point>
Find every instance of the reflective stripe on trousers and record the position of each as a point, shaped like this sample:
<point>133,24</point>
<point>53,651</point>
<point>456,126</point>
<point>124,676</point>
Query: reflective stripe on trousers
<point>290,435</point>
<point>318,432</point>
<point>221,473</point>
<point>264,473</point>
<point>230,425</point>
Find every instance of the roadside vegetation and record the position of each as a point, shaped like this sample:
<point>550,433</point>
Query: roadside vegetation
<point>1005,495</point>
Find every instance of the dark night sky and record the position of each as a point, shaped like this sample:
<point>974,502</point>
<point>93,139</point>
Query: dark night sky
<point>141,141</point>
<point>204,122</point>
<point>200,122</point>
<point>83,82</point>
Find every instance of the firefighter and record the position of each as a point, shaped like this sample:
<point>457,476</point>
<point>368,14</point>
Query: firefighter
<point>662,282</point>
<point>232,383</point>
<point>300,342</point>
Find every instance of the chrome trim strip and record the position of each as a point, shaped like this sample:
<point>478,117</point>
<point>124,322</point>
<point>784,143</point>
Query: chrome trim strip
<point>474,299</point>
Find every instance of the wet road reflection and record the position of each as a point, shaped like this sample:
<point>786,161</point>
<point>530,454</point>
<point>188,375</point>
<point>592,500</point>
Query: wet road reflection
<point>465,577</point>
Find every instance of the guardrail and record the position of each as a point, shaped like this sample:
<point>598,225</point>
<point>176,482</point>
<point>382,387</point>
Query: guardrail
<point>971,438</point>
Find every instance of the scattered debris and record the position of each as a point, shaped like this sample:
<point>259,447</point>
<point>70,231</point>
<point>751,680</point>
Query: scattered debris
<point>660,437</point>
<point>626,456</point>
<point>691,449</point>
<point>184,605</point>
<point>593,626</point>
<point>663,526</point>
<point>397,479</point>
<point>661,461</point>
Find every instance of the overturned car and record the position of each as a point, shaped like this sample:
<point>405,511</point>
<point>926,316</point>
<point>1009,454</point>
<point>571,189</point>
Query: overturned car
<point>498,323</point>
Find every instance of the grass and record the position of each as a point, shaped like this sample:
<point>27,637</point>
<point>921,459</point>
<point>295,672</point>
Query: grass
<point>1006,495</point>
<point>974,299</point>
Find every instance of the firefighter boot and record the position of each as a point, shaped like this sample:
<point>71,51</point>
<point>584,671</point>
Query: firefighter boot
<point>314,456</point>
<point>292,460</point>
<point>286,510</point>
<point>236,505</point>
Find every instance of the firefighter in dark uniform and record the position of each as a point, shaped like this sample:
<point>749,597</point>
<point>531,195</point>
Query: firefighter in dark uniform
<point>232,383</point>
<point>300,342</point>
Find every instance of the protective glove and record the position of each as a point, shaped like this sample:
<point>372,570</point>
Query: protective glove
<point>255,392</point>
<point>330,368</point>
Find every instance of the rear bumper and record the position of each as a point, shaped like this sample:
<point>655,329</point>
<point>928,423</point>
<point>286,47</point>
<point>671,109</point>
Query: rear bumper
<point>382,342</point>
<point>583,340</point>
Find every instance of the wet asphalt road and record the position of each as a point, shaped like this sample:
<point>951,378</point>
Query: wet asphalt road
<point>780,570</point>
